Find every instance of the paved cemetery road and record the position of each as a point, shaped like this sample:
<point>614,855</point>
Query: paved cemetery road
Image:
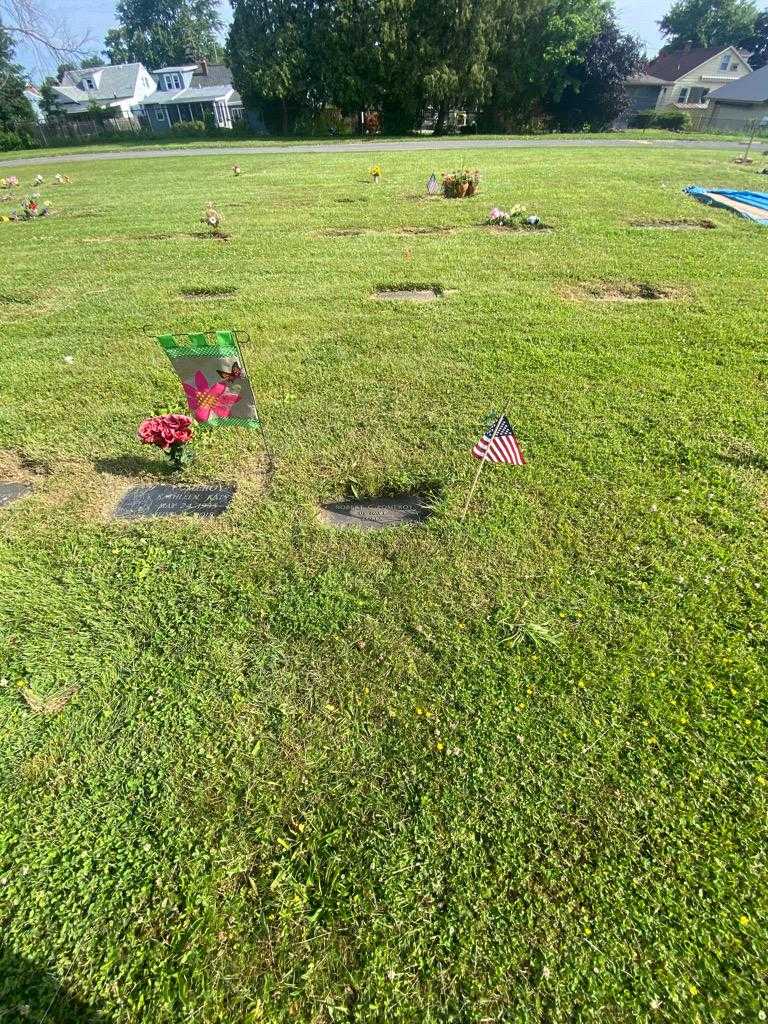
<point>371,147</point>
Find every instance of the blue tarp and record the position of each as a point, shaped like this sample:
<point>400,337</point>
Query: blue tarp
<point>756,201</point>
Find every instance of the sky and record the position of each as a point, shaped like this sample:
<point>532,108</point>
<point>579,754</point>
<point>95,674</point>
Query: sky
<point>94,17</point>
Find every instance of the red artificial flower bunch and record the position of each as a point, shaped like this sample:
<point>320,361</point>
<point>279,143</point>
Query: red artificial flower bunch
<point>171,433</point>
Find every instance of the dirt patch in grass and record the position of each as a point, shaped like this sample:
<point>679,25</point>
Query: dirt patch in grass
<point>219,236</point>
<point>207,292</point>
<point>744,455</point>
<point>682,224</point>
<point>357,199</point>
<point>8,299</point>
<point>520,229</point>
<point>435,230</point>
<point>620,291</point>
<point>17,467</point>
<point>344,232</point>
<point>409,292</point>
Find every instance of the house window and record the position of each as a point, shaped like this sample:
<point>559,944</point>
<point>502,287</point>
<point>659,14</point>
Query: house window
<point>725,63</point>
<point>683,97</point>
<point>160,114</point>
<point>172,81</point>
<point>87,83</point>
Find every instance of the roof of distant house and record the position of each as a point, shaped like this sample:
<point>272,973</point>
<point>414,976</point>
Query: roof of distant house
<point>642,79</point>
<point>749,89</point>
<point>194,95</point>
<point>115,81</point>
<point>671,66</point>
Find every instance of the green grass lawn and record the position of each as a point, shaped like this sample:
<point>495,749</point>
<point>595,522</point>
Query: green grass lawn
<point>504,770</point>
<point>167,142</point>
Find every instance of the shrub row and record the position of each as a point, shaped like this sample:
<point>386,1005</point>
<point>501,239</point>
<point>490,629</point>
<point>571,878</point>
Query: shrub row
<point>672,120</point>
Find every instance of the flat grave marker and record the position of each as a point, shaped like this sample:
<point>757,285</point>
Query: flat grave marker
<point>12,490</point>
<point>375,513</point>
<point>163,500</point>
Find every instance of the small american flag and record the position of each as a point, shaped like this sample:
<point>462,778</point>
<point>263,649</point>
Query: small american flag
<point>499,444</point>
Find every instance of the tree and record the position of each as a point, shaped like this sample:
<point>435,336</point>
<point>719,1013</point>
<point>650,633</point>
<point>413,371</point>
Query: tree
<point>538,41</point>
<point>116,46</point>
<point>708,23</point>
<point>269,51</point>
<point>161,32</point>
<point>453,41</point>
<point>31,21</point>
<point>757,43</point>
<point>596,92</point>
<point>15,110</point>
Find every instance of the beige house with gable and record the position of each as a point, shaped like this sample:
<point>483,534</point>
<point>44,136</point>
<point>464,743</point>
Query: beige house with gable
<point>684,79</point>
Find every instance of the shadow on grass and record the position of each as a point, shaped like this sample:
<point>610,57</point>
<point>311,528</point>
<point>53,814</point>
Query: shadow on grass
<point>30,992</point>
<point>744,456</point>
<point>133,466</point>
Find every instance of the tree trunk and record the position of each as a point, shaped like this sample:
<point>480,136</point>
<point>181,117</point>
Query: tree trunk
<point>284,116</point>
<point>442,119</point>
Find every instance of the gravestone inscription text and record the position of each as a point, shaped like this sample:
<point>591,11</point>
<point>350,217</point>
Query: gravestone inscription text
<point>162,500</point>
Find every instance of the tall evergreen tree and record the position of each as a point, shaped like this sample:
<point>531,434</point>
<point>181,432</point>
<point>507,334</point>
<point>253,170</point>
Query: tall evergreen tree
<point>270,51</point>
<point>161,32</point>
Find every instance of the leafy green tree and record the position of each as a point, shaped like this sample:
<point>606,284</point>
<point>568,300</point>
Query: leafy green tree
<point>270,50</point>
<point>757,43</point>
<point>15,109</point>
<point>538,43</point>
<point>456,39</point>
<point>708,23</point>
<point>595,94</point>
<point>116,46</point>
<point>160,32</point>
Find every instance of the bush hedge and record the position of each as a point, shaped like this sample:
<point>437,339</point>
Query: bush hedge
<point>671,119</point>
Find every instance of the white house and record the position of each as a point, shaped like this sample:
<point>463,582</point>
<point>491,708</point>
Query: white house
<point>739,105</point>
<point>33,97</point>
<point>685,78</point>
<point>120,87</point>
<point>159,98</point>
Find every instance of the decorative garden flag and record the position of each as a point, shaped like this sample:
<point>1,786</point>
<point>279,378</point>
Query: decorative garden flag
<point>499,444</point>
<point>213,375</point>
<point>432,185</point>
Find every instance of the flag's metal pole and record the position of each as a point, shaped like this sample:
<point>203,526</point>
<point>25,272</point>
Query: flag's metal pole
<point>484,459</point>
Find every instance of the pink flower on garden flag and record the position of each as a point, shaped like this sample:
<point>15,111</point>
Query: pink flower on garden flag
<point>207,399</point>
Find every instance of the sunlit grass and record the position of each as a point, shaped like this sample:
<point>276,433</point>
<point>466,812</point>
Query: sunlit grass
<point>506,769</point>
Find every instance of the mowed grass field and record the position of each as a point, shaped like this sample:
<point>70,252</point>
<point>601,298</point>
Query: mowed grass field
<point>510,769</point>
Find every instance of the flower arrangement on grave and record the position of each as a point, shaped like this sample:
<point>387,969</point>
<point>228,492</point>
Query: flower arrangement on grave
<point>38,179</point>
<point>236,170</point>
<point>212,218</point>
<point>375,173</point>
<point>514,218</point>
<point>31,208</point>
<point>10,182</point>
<point>62,179</point>
<point>171,433</point>
<point>461,184</point>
